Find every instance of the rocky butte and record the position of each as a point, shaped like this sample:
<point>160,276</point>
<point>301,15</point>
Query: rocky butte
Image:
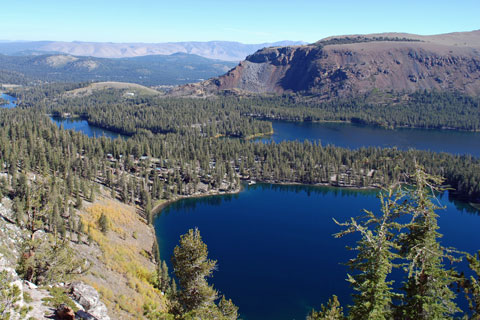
<point>349,65</point>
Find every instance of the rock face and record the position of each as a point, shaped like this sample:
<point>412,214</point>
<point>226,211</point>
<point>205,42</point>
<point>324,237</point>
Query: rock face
<point>11,238</point>
<point>329,69</point>
<point>89,299</point>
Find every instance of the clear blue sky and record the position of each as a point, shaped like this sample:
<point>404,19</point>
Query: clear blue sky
<point>245,21</point>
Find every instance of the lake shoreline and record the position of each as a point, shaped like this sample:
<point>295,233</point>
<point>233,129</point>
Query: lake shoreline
<point>362,123</point>
<point>160,206</point>
<point>157,209</point>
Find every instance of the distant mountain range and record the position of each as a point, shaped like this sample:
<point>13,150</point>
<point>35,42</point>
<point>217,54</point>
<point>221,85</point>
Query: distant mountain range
<point>221,50</point>
<point>355,64</point>
<point>175,69</point>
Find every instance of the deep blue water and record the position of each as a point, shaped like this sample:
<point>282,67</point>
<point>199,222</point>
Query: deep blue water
<point>276,254</point>
<point>356,136</point>
<point>84,127</point>
<point>10,99</point>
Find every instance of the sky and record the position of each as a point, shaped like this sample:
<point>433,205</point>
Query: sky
<point>247,21</point>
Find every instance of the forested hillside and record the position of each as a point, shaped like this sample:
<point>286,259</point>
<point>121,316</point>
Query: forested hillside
<point>183,147</point>
<point>179,68</point>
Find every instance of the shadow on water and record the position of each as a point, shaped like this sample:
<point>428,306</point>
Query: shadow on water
<point>190,204</point>
<point>462,205</point>
<point>315,190</point>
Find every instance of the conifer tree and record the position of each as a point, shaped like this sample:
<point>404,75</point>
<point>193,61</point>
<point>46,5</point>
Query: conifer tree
<point>427,289</point>
<point>472,285</point>
<point>46,260</point>
<point>374,261</point>
<point>228,309</point>
<point>10,298</point>
<point>103,223</point>
<point>192,267</point>
<point>91,197</point>
<point>156,252</point>
<point>78,200</point>
<point>163,277</point>
<point>332,311</point>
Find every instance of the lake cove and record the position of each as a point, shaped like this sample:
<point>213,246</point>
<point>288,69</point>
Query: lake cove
<point>276,255</point>
<point>83,126</point>
<point>11,101</point>
<point>355,136</point>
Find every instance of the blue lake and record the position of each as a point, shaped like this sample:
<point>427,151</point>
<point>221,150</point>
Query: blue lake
<point>84,127</point>
<point>11,101</point>
<point>356,136</point>
<point>276,255</point>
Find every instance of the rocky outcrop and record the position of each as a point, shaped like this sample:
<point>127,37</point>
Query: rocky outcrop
<point>89,299</point>
<point>330,69</point>
<point>35,305</point>
<point>11,237</point>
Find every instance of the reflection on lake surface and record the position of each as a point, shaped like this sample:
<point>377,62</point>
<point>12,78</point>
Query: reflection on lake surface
<point>11,101</point>
<point>356,136</point>
<point>276,255</point>
<point>84,127</point>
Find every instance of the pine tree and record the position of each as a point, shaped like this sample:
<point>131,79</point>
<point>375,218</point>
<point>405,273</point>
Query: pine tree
<point>472,285</point>
<point>332,311</point>
<point>228,309</point>
<point>148,209</point>
<point>46,260</point>
<point>91,197</point>
<point>19,209</point>
<point>374,261</point>
<point>173,288</point>
<point>103,223</point>
<point>78,200</point>
<point>163,277</point>
<point>156,252</point>
<point>10,297</point>
<point>427,289</point>
<point>192,267</point>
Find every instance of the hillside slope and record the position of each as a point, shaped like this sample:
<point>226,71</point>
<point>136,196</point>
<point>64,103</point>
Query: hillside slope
<point>348,65</point>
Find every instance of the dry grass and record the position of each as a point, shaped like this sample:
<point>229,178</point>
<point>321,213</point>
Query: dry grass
<point>97,86</point>
<point>123,273</point>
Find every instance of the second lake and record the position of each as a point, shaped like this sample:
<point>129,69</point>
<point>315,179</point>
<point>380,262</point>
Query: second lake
<point>355,136</point>
<point>277,258</point>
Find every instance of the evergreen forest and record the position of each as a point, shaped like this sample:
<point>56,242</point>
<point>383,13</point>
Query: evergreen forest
<point>181,147</point>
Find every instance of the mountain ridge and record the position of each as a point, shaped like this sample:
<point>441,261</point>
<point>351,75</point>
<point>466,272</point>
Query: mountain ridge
<point>351,65</point>
<point>221,50</point>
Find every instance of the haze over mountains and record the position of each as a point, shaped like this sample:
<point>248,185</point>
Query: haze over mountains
<point>221,50</point>
<point>336,66</point>
<point>349,65</point>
